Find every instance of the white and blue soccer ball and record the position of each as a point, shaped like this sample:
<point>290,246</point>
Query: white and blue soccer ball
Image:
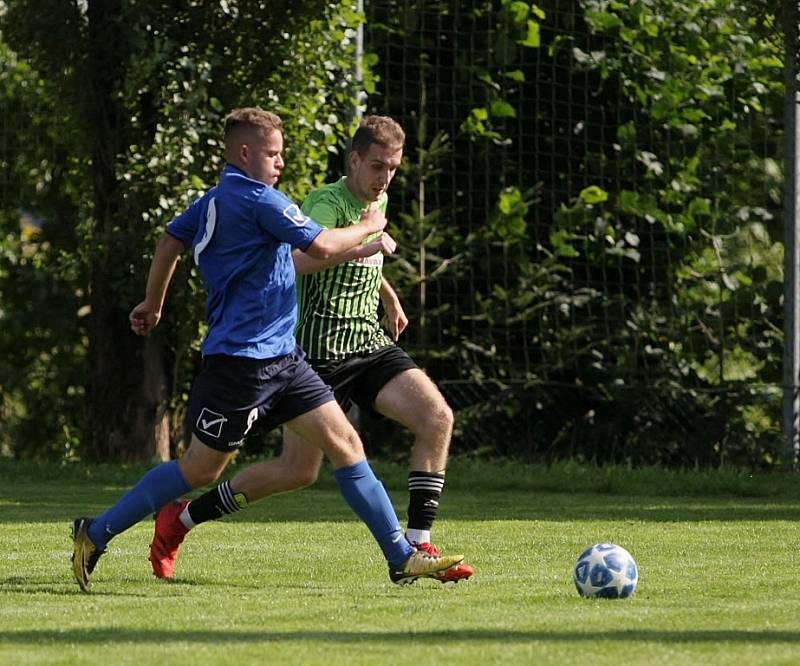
<point>605,570</point>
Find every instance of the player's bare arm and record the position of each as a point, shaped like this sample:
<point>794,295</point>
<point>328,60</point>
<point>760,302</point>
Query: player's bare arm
<point>145,316</point>
<point>394,318</point>
<point>332,242</point>
<point>304,264</point>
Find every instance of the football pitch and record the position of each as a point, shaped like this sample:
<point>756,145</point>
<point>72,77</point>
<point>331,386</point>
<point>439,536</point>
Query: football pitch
<point>296,579</point>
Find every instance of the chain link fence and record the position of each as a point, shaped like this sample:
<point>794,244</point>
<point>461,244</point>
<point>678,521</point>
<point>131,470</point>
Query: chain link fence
<point>591,222</point>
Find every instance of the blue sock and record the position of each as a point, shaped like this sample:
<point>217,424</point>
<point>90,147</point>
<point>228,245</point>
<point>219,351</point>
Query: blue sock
<point>367,497</point>
<point>159,486</point>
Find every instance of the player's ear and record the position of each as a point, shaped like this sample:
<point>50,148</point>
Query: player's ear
<point>353,160</point>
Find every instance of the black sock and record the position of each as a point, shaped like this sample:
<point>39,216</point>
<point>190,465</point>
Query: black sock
<point>218,502</point>
<point>424,489</point>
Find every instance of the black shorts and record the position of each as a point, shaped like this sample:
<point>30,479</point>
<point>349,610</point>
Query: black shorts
<point>358,379</point>
<point>233,393</point>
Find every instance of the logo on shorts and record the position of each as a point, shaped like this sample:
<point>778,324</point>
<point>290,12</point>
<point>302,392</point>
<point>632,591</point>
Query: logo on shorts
<point>296,215</point>
<point>251,419</point>
<point>210,423</point>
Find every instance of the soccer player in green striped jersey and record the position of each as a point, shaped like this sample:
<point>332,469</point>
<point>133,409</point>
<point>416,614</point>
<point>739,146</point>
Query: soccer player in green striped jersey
<point>354,350</point>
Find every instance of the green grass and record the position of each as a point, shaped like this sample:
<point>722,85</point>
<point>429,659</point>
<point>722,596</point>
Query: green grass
<point>296,580</point>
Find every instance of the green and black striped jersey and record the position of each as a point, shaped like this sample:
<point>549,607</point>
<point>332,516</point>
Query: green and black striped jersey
<point>338,307</point>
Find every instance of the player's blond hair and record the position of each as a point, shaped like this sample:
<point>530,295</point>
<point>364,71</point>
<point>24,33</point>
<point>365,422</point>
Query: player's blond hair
<point>251,117</point>
<point>382,130</point>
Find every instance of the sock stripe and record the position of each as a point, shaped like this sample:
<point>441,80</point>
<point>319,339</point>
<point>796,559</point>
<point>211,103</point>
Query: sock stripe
<point>434,485</point>
<point>424,491</point>
<point>226,497</point>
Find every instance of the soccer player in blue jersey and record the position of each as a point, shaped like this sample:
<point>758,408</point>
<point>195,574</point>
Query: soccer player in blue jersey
<point>340,328</point>
<point>241,234</point>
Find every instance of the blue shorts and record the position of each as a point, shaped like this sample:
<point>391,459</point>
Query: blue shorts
<point>233,394</point>
<point>358,379</point>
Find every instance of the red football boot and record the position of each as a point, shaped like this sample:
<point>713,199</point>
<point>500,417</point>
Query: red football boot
<point>460,571</point>
<point>167,540</point>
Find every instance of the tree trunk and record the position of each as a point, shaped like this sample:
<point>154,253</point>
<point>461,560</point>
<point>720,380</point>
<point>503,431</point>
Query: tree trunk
<point>127,396</point>
<point>127,393</point>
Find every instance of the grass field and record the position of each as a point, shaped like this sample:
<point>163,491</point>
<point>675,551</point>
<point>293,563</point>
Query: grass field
<point>295,579</point>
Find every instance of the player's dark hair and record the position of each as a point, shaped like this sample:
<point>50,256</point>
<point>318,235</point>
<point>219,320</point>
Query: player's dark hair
<point>377,129</point>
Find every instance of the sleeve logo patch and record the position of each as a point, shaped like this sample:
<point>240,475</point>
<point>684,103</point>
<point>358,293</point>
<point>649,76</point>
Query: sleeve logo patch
<point>210,423</point>
<point>293,213</point>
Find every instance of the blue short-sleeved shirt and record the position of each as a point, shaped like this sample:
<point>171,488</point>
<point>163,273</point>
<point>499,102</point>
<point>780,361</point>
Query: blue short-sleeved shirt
<point>242,233</point>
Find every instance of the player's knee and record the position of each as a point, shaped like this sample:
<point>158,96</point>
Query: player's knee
<point>297,475</point>
<point>447,418</point>
<point>301,478</point>
<point>437,421</point>
<point>354,444</point>
<point>345,449</point>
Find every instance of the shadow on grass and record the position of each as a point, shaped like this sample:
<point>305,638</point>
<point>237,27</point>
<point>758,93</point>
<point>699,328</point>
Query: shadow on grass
<point>434,638</point>
<point>104,588</point>
<point>315,505</point>
<point>27,585</point>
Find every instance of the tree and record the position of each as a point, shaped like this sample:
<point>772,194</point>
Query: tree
<point>626,309</point>
<point>145,85</point>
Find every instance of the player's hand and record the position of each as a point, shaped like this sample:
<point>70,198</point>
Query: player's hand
<point>374,218</point>
<point>394,318</point>
<point>384,244</point>
<point>144,318</point>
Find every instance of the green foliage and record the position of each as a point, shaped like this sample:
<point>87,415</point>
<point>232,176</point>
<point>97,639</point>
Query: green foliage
<point>703,86</point>
<point>183,68</point>
<point>420,234</point>
<point>671,364</point>
<point>515,27</point>
<point>629,308</point>
<point>437,246</point>
<point>42,337</point>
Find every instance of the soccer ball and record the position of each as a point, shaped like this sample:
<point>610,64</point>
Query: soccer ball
<point>605,570</point>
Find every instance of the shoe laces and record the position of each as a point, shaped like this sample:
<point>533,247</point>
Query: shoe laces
<point>428,548</point>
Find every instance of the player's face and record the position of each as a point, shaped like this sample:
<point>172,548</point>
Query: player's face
<point>371,173</point>
<point>264,157</point>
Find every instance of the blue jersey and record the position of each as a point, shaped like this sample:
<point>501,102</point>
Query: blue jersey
<point>242,233</point>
